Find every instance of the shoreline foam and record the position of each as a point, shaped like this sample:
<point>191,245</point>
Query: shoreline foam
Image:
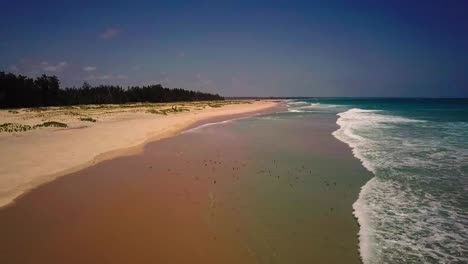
<point>389,199</point>
<point>345,135</point>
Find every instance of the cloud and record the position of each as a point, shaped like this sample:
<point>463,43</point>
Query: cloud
<point>32,68</point>
<point>106,77</point>
<point>110,33</point>
<point>54,68</point>
<point>13,68</point>
<point>89,68</point>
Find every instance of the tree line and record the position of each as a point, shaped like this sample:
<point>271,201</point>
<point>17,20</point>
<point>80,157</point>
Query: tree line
<point>20,91</point>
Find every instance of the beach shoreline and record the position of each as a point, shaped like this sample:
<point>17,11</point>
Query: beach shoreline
<point>32,158</point>
<point>220,193</point>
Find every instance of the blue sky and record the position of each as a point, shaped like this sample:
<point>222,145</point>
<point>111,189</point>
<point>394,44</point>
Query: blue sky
<point>244,48</point>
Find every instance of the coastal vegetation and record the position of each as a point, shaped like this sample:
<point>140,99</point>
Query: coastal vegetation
<point>16,127</point>
<point>88,119</point>
<point>17,91</point>
<point>51,124</point>
<point>73,116</point>
<point>165,111</point>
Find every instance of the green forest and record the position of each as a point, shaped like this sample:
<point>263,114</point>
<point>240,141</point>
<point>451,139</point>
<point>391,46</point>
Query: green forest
<point>21,91</point>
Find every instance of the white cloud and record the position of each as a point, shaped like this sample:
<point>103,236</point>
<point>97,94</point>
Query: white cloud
<point>54,68</point>
<point>106,77</point>
<point>89,68</point>
<point>110,33</point>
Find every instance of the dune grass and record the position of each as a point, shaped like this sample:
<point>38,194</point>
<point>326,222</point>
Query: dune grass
<point>166,111</point>
<point>51,124</point>
<point>16,127</point>
<point>84,112</point>
<point>88,119</point>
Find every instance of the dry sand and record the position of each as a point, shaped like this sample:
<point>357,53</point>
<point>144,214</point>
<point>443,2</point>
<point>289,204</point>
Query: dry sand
<point>30,158</point>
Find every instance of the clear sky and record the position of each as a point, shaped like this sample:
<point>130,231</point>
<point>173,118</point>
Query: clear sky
<point>244,48</point>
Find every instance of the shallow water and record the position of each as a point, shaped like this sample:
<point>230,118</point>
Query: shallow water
<point>415,209</point>
<point>298,189</point>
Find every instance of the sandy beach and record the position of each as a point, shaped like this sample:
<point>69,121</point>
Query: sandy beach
<point>274,188</point>
<point>233,132</point>
<point>83,135</point>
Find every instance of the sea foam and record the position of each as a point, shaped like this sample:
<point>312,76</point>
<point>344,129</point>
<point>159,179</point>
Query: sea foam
<point>200,127</point>
<point>412,210</point>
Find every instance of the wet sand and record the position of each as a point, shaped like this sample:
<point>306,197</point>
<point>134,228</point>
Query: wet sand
<point>252,191</point>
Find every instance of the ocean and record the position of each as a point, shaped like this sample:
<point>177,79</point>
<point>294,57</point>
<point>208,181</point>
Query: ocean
<point>415,207</point>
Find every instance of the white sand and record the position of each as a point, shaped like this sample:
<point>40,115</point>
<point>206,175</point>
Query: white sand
<point>28,159</point>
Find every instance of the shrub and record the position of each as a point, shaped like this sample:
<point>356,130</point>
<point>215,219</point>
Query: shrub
<point>51,124</point>
<point>14,127</point>
<point>88,119</point>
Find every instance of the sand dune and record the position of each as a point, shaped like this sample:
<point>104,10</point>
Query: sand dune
<point>93,133</point>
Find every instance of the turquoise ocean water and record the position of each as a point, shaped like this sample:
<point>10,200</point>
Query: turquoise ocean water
<point>415,208</point>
